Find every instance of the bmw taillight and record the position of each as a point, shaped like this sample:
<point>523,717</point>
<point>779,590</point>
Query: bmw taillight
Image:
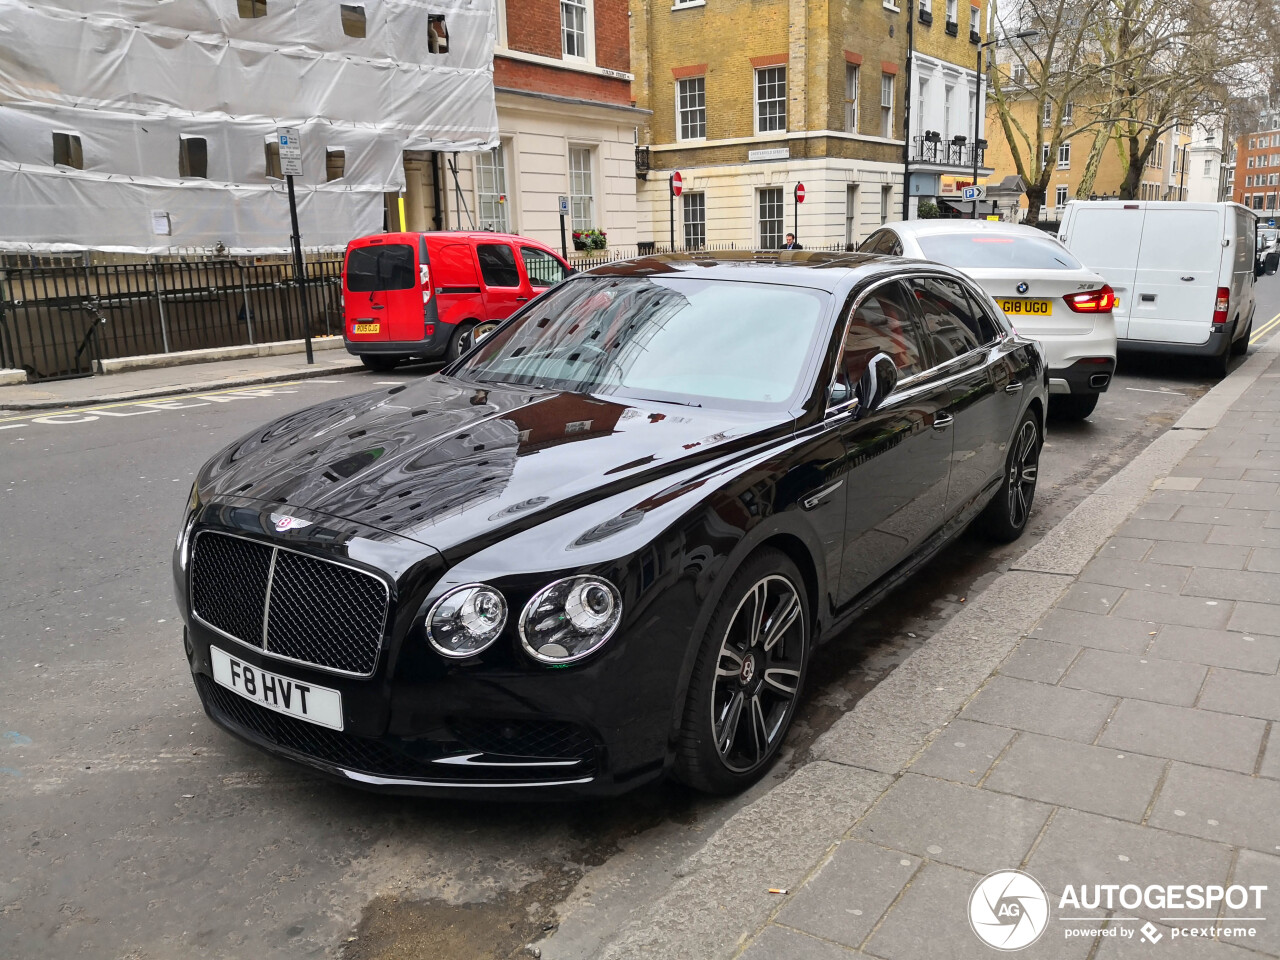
<point>1102,300</point>
<point>1222,305</point>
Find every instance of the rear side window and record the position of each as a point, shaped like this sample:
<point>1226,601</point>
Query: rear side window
<point>379,267</point>
<point>882,324</point>
<point>497,265</point>
<point>947,319</point>
<point>1022,253</point>
<point>543,269</point>
<point>884,241</point>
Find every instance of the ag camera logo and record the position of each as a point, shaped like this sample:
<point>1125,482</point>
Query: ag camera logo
<point>1008,910</point>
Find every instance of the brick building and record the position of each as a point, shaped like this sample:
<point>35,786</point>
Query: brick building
<point>1257,170</point>
<point>749,99</point>
<point>567,127</point>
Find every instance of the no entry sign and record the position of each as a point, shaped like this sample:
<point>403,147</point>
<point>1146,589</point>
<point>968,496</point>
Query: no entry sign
<point>677,184</point>
<point>799,193</point>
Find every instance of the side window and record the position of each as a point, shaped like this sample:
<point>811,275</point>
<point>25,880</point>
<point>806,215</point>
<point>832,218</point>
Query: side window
<point>988,319</point>
<point>962,304</point>
<point>946,322</point>
<point>497,265</point>
<point>882,324</point>
<point>543,269</point>
<point>883,241</point>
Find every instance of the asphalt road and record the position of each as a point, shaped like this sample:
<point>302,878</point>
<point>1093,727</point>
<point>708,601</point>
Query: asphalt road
<point>134,829</point>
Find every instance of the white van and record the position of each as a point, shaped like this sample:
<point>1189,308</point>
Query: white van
<point>1183,272</point>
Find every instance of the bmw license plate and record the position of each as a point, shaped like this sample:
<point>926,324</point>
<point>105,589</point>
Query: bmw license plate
<point>364,328</point>
<point>1026,308</point>
<point>306,701</point>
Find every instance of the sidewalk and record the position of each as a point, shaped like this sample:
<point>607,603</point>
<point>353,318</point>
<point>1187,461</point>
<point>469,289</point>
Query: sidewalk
<point>1101,715</point>
<point>164,381</point>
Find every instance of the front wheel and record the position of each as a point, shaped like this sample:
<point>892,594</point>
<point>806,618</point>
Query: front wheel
<point>1006,515</point>
<point>747,678</point>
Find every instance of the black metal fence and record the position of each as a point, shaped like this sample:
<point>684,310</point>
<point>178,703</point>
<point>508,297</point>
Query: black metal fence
<point>585,261</point>
<point>57,319</point>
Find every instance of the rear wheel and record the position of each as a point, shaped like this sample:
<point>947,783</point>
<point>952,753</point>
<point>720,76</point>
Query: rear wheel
<point>1006,516</point>
<point>1220,365</point>
<point>747,678</point>
<point>460,342</point>
<point>379,364</point>
<point>1240,347</point>
<point>1073,406</point>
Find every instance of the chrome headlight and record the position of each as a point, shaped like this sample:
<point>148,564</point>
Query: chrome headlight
<point>466,620</point>
<point>570,619</point>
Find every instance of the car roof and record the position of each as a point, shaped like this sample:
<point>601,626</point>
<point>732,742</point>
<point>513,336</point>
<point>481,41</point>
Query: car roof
<point>411,236</point>
<point>924,228</point>
<point>821,270</point>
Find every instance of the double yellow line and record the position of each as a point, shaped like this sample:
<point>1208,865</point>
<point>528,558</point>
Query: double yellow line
<point>1269,327</point>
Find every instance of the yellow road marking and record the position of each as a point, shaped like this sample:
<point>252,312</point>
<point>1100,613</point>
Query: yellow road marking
<point>58,411</point>
<point>1266,328</point>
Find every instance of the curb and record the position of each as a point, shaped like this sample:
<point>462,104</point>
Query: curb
<point>720,900</point>
<point>305,373</point>
<point>275,348</point>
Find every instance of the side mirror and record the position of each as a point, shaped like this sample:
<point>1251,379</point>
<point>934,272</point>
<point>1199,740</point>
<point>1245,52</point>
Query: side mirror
<point>1259,268</point>
<point>877,382</point>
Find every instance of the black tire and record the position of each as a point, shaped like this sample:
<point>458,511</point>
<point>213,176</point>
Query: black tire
<point>1220,365</point>
<point>378,363</point>
<point>1240,347</point>
<point>727,755</point>
<point>1007,514</point>
<point>1073,406</point>
<point>460,342</point>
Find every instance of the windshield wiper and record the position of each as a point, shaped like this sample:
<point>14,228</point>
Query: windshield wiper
<point>679,403</point>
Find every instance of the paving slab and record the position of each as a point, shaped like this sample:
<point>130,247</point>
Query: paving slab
<point>1220,805</point>
<point>1042,660</point>
<point>1243,694</point>
<point>1252,617</point>
<point>1224,555</point>
<point>1095,630</point>
<point>1248,585</point>
<point>1162,608</point>
<point>1091,597</point>
<point>1142,678</point>
<point>1136,574</point>
<point>1076,775</point>
<point>1184,733</point>
<point>963,751</point>
<point>1221,516</point>
<point>1266,559</point>
<point>1041,708</point>
<point>1257,869</point>
<point>780,943</point>
<point>1255,652</point>
<point>1166,946</point>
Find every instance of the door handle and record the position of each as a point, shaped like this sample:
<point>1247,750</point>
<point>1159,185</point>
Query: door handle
<point>1014,386</point>
<point>943,421</point>
<point>812,501</point>
<point>377,306</point>
<point>521,299</point>
<point>1188,279</point>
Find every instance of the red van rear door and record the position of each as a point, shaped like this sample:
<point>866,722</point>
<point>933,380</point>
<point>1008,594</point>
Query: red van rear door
<point>381,291</point>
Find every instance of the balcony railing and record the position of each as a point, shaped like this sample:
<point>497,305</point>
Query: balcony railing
<point>945,152</point>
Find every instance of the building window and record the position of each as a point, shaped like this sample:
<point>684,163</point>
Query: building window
<point>922,97</point>
<point>1020,74</point>
<point>851,98</point>
<point>1064,156</point>
<point>771,212</point>
<point>1044,155</point>
<point>1248,181</point>
<point>1250,164</point>
<point>251,9</point>
<point>973,111</point>
<point>1160,155</point>
<point>581,198</point>
<point>771,99</point>
<point>491,190</point>
<point>975,19</point>
<point>1208,166</point>
<point>1252,143</point>
<point>352,20</point>
<point>953,11</point>
<point>851,216</point>
<point>437,34</point>
<point>948,130</point>
<point>886,105</point>
<point>67,151</point>
<point>271,150</point>
<point>926,9</point>
<point>1048,113</point>
<point>691,95</point>
<point>573,28</point>
<point>335,163</point>
<point>1068,109</point>
<point>695,221</point>
<point>886,201</point>
<point>193,157</point>
<point>1062,195</point>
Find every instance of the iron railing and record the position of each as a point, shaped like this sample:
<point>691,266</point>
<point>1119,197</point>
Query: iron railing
<point>944,152</point>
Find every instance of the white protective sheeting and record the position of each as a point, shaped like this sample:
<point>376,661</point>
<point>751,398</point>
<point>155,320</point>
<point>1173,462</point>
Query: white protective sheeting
<point>132,78</point>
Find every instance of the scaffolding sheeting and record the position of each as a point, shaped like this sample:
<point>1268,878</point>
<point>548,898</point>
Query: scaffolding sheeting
<point>118,85</point>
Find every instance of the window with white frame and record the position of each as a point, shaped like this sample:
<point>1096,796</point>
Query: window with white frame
<point>851,98</point>
<point>975,19</point>
<point>1208,166</point>
<point>581,196</point>
<point>695,220</point>
<point>1273,179</point>
<point>771,99</point>
<point>1048,113</point>
<point>1160,155</point>
<point>973,111</point>
<point>886,201</point>
<point>1248,181</point>
<point>922,97</point>
<point>771,216</point>
<point>491,190</point>
<point>1064,156</point>
<point>1252,143</point>
<point>691,102</point>
<point>1061,195</point>
<point>1068,109</point>
<point>1250,164</point>
<point>1020,74</point>
<point>947,96</point>
<point>886,105</point>
<point>1044,155</point>
<point>851,215</point>
<point>953,11</point>
<point>573,28</point>
<point>926,6</point>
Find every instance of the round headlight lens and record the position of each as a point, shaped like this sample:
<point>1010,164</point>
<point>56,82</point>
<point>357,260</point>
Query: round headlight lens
<point>466,620</point>
<point>570,619</point>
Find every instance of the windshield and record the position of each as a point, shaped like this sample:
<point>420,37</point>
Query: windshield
<point>387,267</point>
<point>985,250</point>
<point>676,339</point>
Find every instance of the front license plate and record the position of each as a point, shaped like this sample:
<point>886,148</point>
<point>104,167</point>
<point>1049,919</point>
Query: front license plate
<point>1027,308</point>
<point>305,701</point>
<point>365,328</point>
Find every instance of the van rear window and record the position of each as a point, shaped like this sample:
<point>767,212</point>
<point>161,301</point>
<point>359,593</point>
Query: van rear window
<point>987,250</point>
<point>387,267</point>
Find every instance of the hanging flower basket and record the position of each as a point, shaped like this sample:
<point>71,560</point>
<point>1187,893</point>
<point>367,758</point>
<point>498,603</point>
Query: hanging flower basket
<point>590,239</point>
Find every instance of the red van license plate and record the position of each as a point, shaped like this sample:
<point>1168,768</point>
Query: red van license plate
<point>364,328</point>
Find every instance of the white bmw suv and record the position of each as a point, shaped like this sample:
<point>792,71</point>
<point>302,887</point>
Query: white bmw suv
<point>1043,289</point>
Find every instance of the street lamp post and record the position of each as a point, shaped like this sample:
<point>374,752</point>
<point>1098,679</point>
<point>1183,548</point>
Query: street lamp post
<point>979,101</point>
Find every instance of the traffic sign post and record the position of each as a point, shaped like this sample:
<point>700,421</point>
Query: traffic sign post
<point>564,212</point>
<point>798,193</point>
<point>291,166</point>
<point>677,185</point>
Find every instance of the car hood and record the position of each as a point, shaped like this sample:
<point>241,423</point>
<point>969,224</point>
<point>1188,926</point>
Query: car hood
<point>443,462</point>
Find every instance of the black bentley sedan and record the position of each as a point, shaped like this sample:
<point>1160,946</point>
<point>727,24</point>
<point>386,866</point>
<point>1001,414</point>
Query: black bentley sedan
<point>601,546</point>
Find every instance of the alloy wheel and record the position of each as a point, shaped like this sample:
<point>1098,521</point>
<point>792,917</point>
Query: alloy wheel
<point>1024,467</point>
<point>758,673</point>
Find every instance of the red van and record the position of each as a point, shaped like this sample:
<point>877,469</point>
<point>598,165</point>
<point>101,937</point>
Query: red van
<point>431,295</point>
